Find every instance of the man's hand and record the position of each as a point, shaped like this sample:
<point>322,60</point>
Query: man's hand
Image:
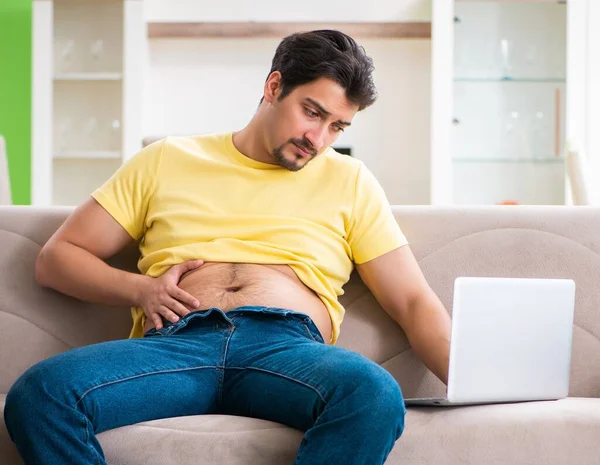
<point>162,297</point>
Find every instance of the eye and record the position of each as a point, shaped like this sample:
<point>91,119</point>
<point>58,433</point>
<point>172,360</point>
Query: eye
<point>310,112</point>
<point>338,128</point>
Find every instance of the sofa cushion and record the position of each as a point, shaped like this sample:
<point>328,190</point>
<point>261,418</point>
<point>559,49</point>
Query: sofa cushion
<point>202,440</point>
<point>564,431</point>
<point>541,433</point>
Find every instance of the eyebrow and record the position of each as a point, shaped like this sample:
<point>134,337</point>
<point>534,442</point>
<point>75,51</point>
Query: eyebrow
<point>325,112</point>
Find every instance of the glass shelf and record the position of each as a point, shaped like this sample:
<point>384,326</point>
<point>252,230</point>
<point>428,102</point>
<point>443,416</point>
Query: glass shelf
<point>106,154</point>
<point>89,77</point>
<point>88,36</point>
<point>509,103</point>
<point>509,79</point>
<point>541,161</point>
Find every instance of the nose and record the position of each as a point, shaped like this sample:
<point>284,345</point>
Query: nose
<point>316,137</point>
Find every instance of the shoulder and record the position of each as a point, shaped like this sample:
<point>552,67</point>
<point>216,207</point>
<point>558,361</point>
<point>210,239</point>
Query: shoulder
<point>194,143</point>
<point>338,162</point>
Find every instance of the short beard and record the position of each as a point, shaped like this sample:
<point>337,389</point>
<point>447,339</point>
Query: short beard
<point>290,165</point>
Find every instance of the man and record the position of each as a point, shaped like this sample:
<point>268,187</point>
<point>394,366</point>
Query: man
<point>246,242</point>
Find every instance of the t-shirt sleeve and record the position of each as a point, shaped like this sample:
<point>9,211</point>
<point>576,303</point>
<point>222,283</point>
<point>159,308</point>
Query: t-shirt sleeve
<point>373,230</point>
<point>127,194</point>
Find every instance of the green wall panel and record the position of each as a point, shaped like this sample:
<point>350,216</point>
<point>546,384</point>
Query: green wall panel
<point>15,93</point>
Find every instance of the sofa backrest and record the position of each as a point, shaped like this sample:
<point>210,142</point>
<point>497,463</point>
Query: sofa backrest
<point>517,241</point>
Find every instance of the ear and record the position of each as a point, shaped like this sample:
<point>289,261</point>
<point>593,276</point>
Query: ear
<point>272,87</point>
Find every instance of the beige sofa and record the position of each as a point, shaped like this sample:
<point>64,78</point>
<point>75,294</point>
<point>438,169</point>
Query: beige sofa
<point>479,241</point>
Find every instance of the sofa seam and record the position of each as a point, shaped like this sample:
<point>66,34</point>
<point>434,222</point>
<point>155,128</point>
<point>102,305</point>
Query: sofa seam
<point>22,236</point>
<point>474,233</point>
<point>32,323</point>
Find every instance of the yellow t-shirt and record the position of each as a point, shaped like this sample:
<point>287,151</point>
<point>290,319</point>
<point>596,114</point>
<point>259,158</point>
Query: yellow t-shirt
<point>199,197</point>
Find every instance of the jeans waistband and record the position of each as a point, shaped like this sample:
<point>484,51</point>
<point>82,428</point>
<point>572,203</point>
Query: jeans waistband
<point>170,327</point>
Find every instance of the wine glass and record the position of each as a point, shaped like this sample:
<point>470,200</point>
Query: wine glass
<point>66,54</point>
<point>97,50</point>
<point>90,133</point>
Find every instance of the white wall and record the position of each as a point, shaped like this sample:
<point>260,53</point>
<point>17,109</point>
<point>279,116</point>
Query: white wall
<point>277,10</point>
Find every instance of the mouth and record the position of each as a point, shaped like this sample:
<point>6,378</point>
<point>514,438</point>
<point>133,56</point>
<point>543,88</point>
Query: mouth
<point>302,151</point>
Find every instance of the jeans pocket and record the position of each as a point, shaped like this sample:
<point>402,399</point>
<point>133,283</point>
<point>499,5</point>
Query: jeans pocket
<point>311,334</point>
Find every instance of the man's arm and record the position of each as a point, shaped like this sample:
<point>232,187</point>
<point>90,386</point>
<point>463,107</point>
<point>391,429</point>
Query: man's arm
<point>399,286</point>
<point>72,262</point>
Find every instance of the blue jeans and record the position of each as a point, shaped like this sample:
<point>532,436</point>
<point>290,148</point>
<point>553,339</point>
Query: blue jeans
<point>261,362</point>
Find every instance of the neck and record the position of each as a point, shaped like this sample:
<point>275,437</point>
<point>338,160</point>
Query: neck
<point>250,142</point>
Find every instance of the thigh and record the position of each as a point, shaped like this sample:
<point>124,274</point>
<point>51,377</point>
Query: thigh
<point>293,383</point>
<point>124,382</point>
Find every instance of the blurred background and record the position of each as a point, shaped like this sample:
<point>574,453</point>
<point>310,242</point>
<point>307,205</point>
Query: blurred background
<point>480,102</point>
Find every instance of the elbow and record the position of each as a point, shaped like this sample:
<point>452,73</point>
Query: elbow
<point>410,314</point>
<point>404,310</point>
<point>42,272</point>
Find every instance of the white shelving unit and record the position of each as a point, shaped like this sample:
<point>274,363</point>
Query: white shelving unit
<point>88,155</point>
<point>88,57</point>
<point>511,88</point>
<point>89,77</point>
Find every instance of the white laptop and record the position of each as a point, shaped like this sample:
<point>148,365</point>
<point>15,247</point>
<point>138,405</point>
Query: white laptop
<point>511,341</point>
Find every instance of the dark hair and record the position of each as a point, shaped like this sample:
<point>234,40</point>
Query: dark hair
<point>306,56</point>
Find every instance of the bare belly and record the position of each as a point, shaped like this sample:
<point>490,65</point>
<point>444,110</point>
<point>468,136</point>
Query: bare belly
<point>231,285</point>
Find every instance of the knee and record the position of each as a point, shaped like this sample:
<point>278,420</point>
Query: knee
<point>28,397</point>
<point>18,402</point>
<point>377,394</point>
<point>386,401</point>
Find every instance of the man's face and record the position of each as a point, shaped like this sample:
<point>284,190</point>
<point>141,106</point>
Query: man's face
<point>305,122</point>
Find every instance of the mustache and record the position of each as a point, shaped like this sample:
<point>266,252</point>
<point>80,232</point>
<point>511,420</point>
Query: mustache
<point>304,144</point>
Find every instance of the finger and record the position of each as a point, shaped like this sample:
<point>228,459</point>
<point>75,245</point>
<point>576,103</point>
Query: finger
<point>182,296</point>
<point>168,314</point>
<point>178,271</point>
<point>157,320</point>
<point>177,307</point>
<point>190,265</point>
